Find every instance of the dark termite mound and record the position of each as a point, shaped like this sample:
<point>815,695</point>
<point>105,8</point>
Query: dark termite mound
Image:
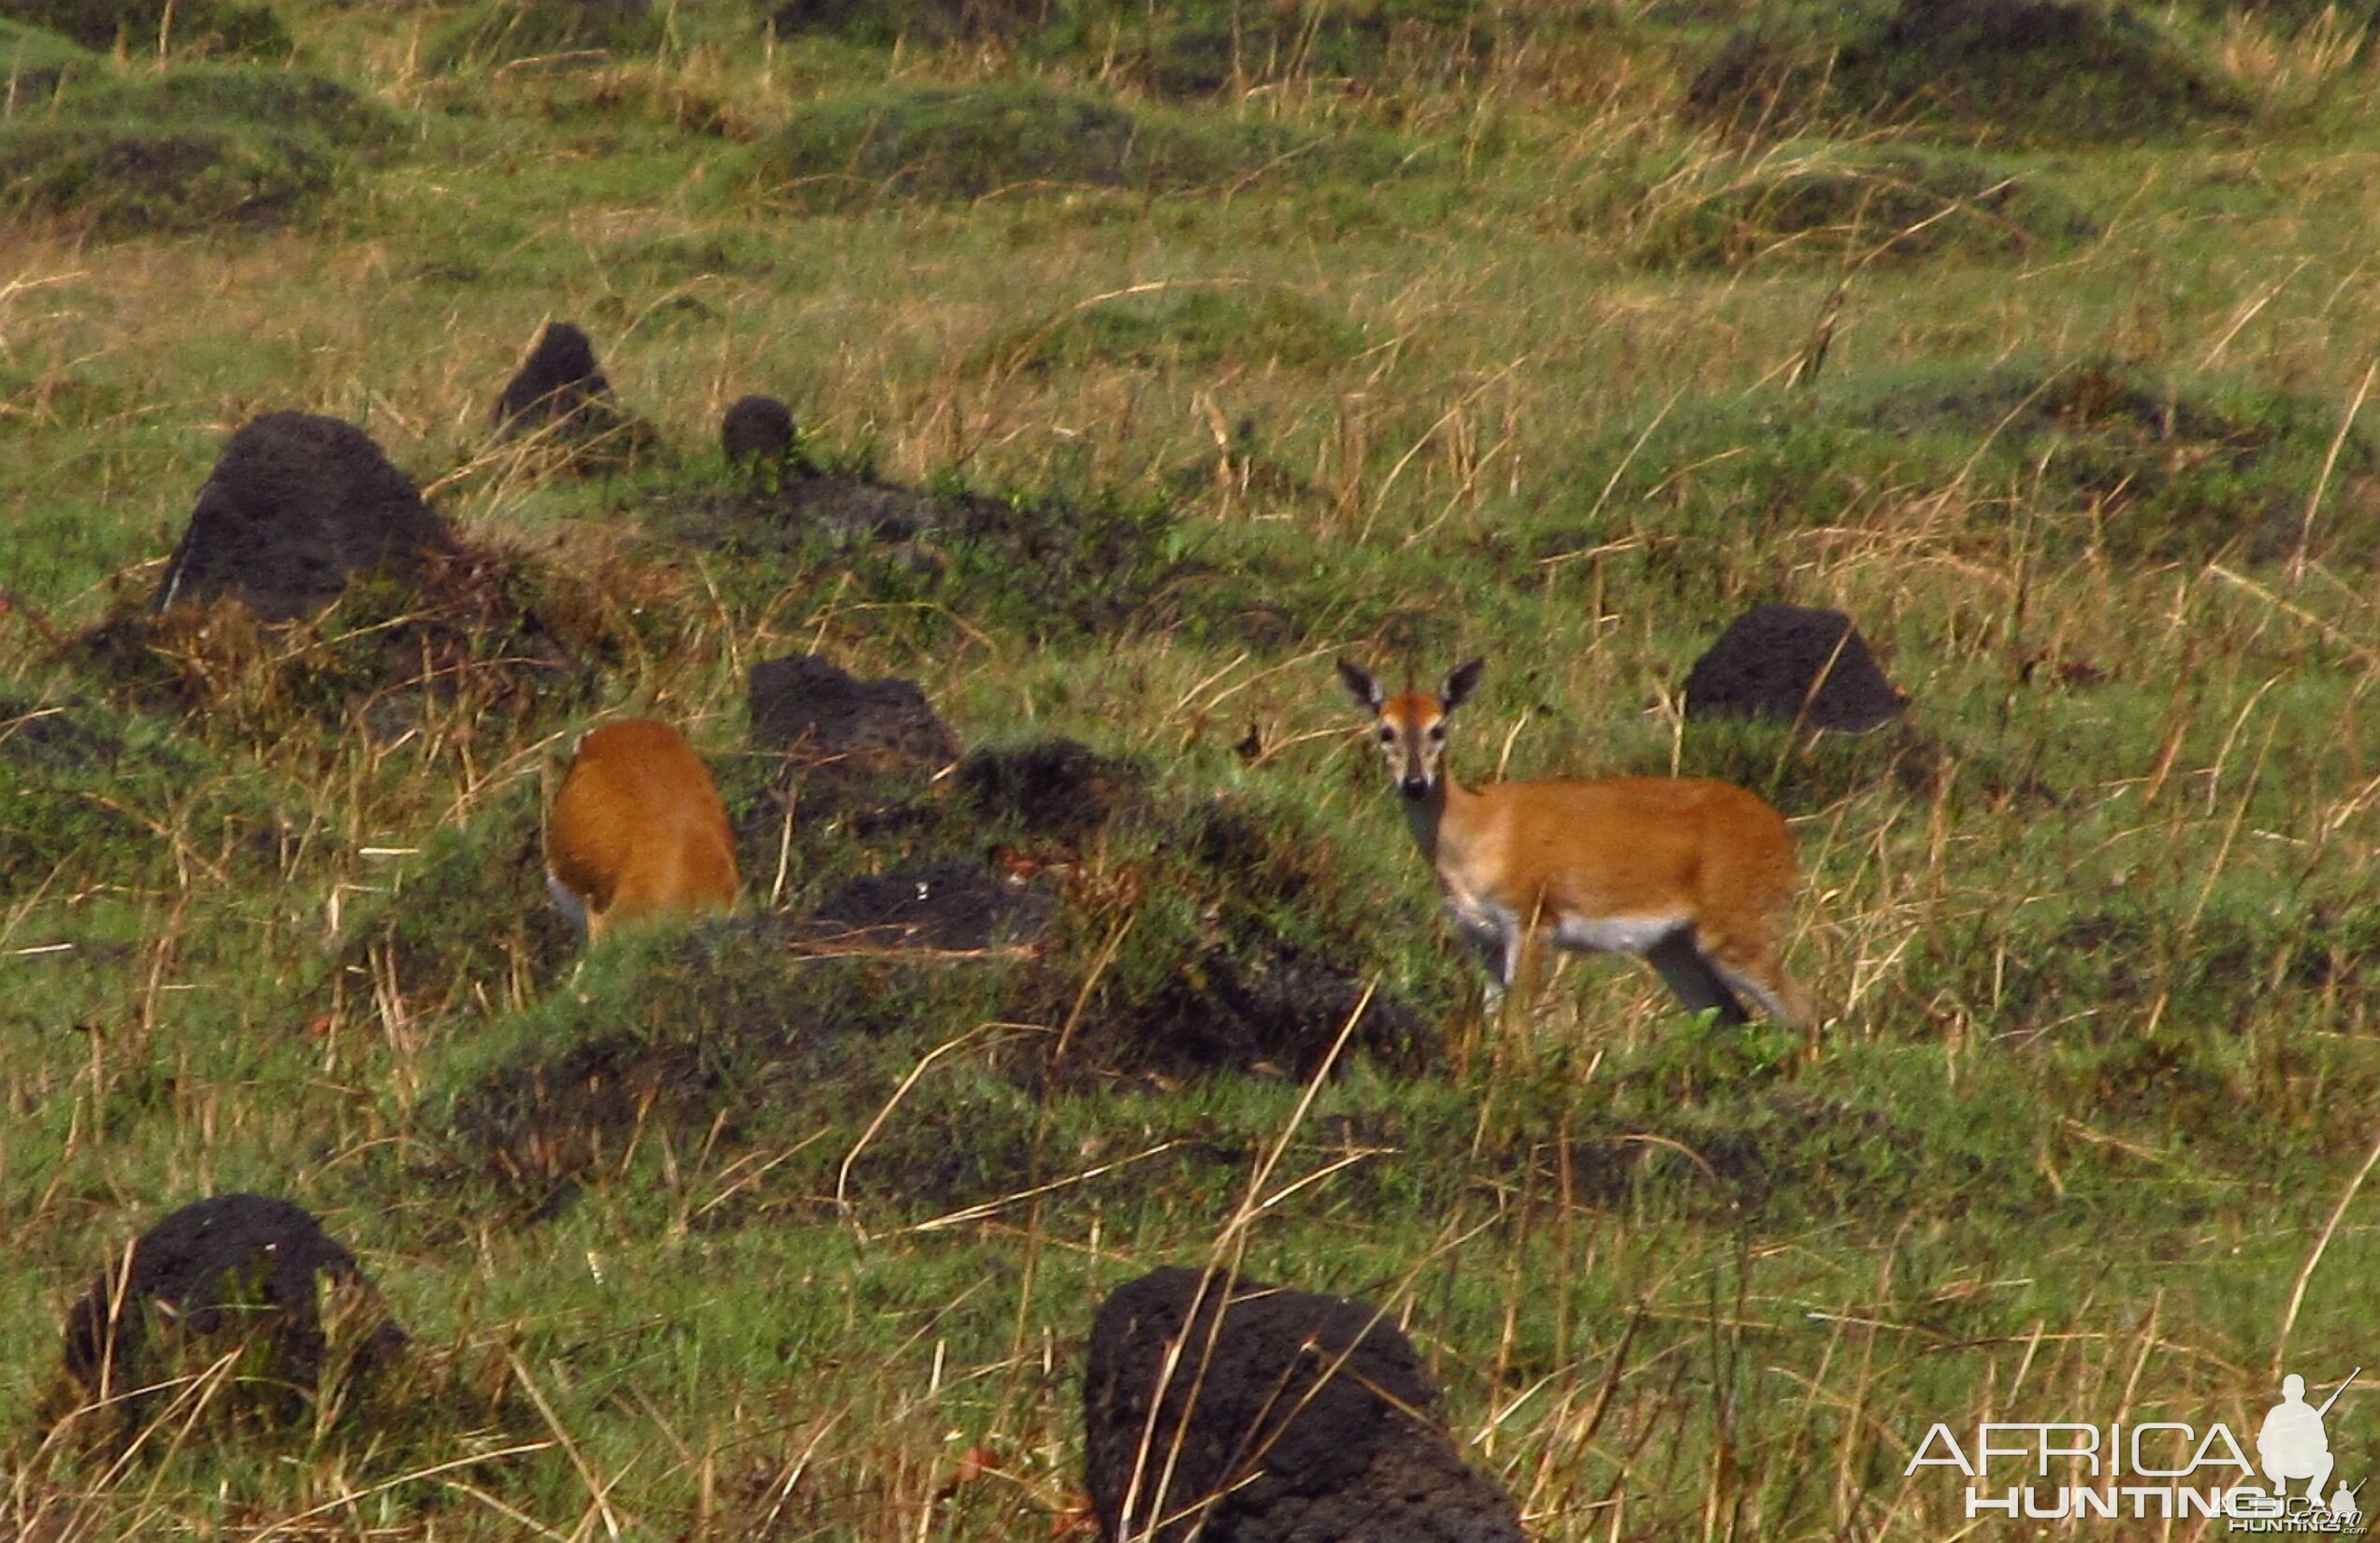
<point>297,505</point>
<point>560,393</point>
<point>1792,665</point>
<point>1054,787</point>
<point>843,733</point>
<point>1284,1417</point>
<point>233,1270</point>
<point>757,433</point>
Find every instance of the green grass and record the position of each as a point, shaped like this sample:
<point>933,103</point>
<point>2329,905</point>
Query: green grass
<point>190,147</point>
<point>1433,352</point>
<point>193,28</point>
<point>2004,71</point>
<point>940,143</point>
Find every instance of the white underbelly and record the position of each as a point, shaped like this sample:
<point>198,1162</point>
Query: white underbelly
<point>1616,935</point>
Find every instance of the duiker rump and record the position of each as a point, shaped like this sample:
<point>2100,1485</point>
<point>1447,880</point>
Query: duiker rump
<point>638,830</point>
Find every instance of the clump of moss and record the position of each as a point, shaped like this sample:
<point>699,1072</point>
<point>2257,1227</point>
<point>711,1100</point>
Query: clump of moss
<point>1820,204</point>
<point>501,30</point>
<point>2015,72</point>
<point>183,27</point>
<point>931,143</point>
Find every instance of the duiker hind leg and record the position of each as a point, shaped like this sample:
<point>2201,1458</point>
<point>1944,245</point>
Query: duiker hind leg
<point>1750,966</point>
<point>1692,979</point>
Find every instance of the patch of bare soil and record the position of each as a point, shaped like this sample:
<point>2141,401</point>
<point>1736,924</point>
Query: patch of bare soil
<point>1058,788</point>
<point>845,738</point>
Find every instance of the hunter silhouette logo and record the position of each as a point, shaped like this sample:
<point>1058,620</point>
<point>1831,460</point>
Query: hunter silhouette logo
<point>2157,1469</point>
<point>2292,1444</point>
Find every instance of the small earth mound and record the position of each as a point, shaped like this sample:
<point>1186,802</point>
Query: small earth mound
<point>1819,203</point>
<point>1794,665</point>
<point>757,433</point>
<point>560,392</point>
<point>127,177</point>
<point>232,1268</point>
<point>211,96</point>
<point>1060,788</point>
<point>186,26</point>
<point>944,143</point>
<point>1277,1011</point>
<point>844,735</point>
<point>2014,71</point>
<point>958,905</point>
<point>543,1123</point>
<point>488,629</point>
<point>298,505</point>
<point>1298,1416</point>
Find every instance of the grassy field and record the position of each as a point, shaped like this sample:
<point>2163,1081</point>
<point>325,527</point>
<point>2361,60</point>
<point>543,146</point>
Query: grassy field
<point>1407,329</point>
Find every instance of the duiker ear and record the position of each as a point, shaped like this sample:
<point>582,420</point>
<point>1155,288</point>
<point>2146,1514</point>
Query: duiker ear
<point>1460,683</point>
<point>1359,685</point>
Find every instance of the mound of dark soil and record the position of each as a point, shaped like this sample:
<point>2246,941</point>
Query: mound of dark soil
<point>757,435</point>
<point>1248,1414</point>
<point>1275,1009</point>
<point>2016,71</point>
<point>560,393</point>
<point>957,906</point>
<point>504,31</point>
<point>197,26</point>
<point>1791,664</point>
<point>239,1268</point>
<point>1060,788</point>
<point>842,734</point>
<point>296,507</point>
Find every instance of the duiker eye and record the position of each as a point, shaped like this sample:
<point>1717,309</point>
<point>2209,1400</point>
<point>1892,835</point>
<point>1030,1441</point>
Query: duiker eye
<point>1387,735</point>
<point>1438,732</point>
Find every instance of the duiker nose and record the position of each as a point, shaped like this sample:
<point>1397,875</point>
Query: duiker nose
<point>1415,785</point>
